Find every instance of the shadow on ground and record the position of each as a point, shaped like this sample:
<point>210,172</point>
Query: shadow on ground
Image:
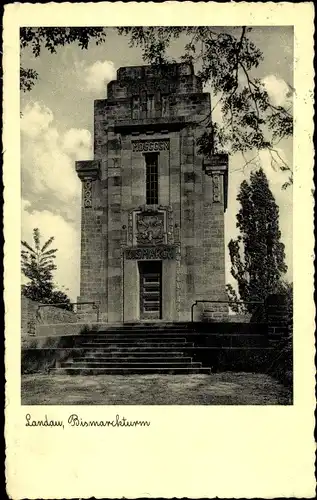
<point>215,389</point>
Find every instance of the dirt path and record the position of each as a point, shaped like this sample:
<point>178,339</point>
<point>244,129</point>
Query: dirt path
<point>216,389</point>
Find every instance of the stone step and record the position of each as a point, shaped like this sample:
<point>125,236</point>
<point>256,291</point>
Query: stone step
<point>211,341</point>
<point>141,331</point>
<point>130,371</point>
<point>134,354</point>
<point>129,364</point>
<point>139,325</point>
<point>135,345</point>
<point>175,335</point>
<point>232,340</point>
<point>127,338</point>
<point>134,359</point>
<point>229,328</point>
<point>185,327</point>
<point>133,350</point>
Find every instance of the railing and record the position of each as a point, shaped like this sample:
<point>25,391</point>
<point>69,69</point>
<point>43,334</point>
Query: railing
<point>256,302</point>
<point>95,305</point>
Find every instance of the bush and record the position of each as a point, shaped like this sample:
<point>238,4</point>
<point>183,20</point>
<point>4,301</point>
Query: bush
<point>282,365</point>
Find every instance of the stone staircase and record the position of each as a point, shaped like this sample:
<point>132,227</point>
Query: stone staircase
<point>170,348</point>
<point>133,349</point>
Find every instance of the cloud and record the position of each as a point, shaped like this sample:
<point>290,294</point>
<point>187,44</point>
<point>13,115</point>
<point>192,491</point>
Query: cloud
<point>77,142</point>
<point>47,161</point>
<point>279,91</point>
<point>98,75</point>
<point>51,188</point>
<point>36,119</point>
<point>67,241</point>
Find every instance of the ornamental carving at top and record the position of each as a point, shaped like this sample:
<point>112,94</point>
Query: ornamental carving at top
<point>87,193</point>
<point>216,188</point>
<point>150,228</point>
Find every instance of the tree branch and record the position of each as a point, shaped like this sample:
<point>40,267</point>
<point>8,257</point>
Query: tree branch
<point>286,166</point>
<point>249,85</point>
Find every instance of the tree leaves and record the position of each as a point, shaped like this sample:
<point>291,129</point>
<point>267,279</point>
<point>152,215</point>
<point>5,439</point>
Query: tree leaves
<point>28,78</point>
<point>37,264</point>
<point>153,41</point>
<point>51,38</point>
<point>225,59</point>
<point>257,255</point>
<point>47,244</point>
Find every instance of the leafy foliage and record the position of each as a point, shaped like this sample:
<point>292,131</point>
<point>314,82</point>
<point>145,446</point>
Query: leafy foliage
<point>285,288</point>
<point>38,266</point>
<point>257,255</point>
<point>225,61</point>
<point>224,58</point>
<point>28,78</point>
<point>51,38</point>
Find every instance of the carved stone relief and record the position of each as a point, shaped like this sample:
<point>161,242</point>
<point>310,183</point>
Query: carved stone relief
<point>170,225</point>
<point>150,228</point>
<point>178,283</point>
<point>153,226</point>
<point>216,186</point>
<point>130,229</point>
<point>87,193</point>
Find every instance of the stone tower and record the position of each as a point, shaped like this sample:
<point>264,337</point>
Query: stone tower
<point>152,227</point>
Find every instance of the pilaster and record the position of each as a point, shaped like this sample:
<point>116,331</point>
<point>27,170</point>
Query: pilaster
<point>93,256</point>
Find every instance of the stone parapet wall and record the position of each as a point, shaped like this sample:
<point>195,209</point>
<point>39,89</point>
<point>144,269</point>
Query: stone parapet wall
<point>61,329</point>
<point>211,312</point>
<point>32,316</point>
<point>278,317</point>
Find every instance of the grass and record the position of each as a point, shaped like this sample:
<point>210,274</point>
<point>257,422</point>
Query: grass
<point>226,388</point>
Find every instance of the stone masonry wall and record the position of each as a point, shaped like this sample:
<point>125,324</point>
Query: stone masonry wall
<point>93,255</point>
<point>31,316</point>
<point>114,228</point>
<point>202,229</point>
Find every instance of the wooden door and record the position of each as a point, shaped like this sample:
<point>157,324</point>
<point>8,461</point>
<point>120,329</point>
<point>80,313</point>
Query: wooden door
<point>150,289</point>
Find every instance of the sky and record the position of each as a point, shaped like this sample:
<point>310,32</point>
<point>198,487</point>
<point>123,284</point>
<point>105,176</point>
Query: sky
<point>57,130</point>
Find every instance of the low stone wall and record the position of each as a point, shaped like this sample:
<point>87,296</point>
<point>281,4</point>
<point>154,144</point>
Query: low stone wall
<point>279,322</point>
<point>239,318</point>
<point>28,314</point>
<point>210,312</point>
<point>60,329</point>
<point>33,316</point>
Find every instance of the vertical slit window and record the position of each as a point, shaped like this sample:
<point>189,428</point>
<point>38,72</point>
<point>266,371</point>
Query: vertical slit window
<point>150,106</point>
<point>135,107</point>
<point>165,105</point>
<point>151,163</point>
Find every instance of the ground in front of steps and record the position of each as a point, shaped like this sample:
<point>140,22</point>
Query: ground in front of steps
<point>225,388</point>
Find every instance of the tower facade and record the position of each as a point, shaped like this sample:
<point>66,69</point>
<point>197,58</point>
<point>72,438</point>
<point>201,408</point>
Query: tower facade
<point>152,221</point>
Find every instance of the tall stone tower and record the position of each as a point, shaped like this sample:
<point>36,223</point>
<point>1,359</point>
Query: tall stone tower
<point>152,228</point>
